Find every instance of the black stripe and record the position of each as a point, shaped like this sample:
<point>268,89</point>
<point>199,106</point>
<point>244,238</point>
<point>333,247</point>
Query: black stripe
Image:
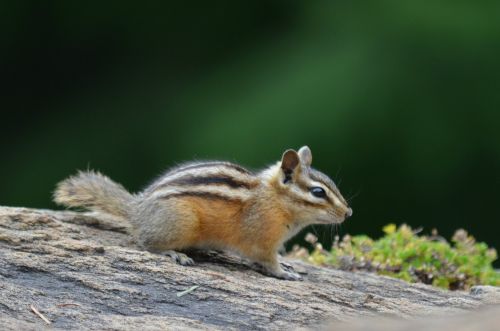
<point>208,164</point>
<point>330,201</point>
<point>203,195</point>
<point>158,183</point>
<point>315,176</point>
<point>325,180</point>
<point>212,180</point>
<point>319,177</point>
<point>308,203</point>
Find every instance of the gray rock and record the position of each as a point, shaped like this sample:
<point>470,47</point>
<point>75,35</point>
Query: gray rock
<point>81,272</point>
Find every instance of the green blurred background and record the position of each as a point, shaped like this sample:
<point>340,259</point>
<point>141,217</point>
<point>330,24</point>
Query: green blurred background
<point>399,101</point>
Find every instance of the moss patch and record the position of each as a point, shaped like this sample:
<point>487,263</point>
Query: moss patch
<point>404,254</point>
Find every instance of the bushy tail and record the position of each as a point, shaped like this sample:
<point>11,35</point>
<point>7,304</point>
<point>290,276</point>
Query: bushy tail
<point>95,192</point>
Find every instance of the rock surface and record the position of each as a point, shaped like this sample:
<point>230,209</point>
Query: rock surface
<point>80,272</point>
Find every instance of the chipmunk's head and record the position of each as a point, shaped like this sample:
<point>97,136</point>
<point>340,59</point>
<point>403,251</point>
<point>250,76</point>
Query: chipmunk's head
<point>311,195</point>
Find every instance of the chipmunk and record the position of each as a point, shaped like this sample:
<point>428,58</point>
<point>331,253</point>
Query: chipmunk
<point>217,205</point>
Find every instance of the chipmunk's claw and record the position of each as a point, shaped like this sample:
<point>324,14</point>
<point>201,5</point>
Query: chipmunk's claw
<point>180,258</point>
<point>287,266</point>
<point>284,271</point>
<point>288,275</point>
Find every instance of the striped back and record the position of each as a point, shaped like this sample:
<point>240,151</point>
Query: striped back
<point>210,180</point>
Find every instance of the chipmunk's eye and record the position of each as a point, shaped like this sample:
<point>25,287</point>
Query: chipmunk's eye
<point>318,192</point>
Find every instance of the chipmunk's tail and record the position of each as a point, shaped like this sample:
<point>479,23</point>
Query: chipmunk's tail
<point>96,192</point>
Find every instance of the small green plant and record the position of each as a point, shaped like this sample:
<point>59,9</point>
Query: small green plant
<point>403,254</point>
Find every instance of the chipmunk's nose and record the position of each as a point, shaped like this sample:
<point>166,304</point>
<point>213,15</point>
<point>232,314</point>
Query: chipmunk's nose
<point>348,213</point>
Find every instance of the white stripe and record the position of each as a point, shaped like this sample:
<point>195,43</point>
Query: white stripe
<point>211,171</point>
<point>231,193</point>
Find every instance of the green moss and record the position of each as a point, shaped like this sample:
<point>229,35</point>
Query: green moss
<point>403,254</point>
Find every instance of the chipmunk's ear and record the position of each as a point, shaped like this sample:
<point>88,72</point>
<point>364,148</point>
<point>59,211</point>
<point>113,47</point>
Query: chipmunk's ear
<point>289,163</point>
<point>305,155</point>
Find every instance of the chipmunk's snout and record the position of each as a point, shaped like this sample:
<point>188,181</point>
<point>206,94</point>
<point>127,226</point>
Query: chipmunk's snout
<point>348,213</point>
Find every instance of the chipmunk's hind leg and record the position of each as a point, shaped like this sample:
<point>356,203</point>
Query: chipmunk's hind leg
<point>153,246</point>
<point>178,257</point>
<point>161,229</point>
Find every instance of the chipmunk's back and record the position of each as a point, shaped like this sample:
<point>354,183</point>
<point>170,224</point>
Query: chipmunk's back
<point>210,180</point>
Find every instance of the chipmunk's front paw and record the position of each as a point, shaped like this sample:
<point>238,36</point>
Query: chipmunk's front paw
<point>180,258</point>
<point>278,270</point>
<point>286,271</point>
<point>288,275</point>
